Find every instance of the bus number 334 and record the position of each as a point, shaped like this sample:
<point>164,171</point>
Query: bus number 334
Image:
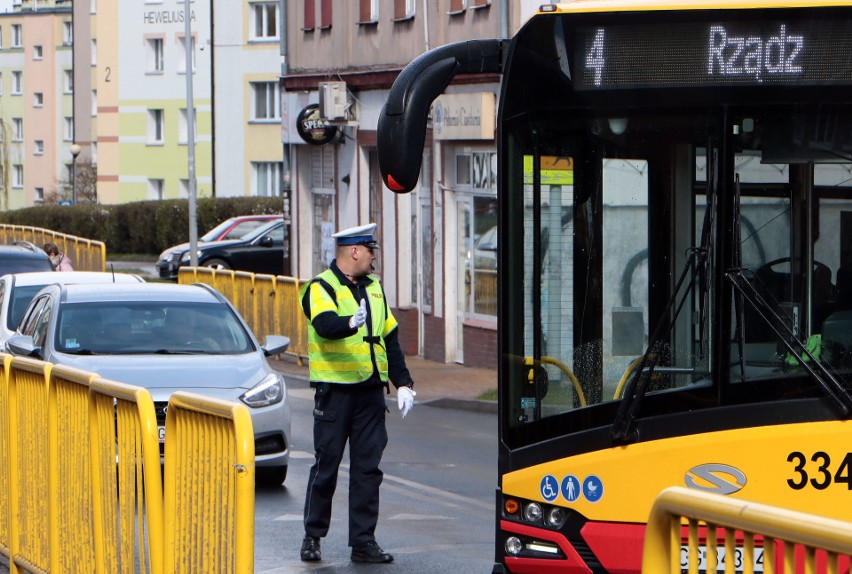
<point>818,470</point>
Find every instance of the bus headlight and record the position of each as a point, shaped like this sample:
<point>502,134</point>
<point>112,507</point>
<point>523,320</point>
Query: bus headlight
<point>514,545</point>
<point>556,517</point>
<point>532,513</point>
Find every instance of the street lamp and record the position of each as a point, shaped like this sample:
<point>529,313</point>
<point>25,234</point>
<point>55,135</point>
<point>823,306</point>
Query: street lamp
<point>75,151</point>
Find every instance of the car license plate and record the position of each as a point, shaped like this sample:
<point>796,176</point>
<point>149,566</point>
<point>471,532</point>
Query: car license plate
<point>721,558</point>
<point>161,433</point>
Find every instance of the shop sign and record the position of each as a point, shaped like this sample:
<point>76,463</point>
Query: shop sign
<point>464,116</point>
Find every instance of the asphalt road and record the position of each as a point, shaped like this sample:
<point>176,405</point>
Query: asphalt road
<point>437,505</point>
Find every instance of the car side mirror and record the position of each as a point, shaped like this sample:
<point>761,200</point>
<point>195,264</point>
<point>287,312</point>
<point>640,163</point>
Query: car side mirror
<point>275,345</point>
<point>265,241</point>
<point>24,345</point>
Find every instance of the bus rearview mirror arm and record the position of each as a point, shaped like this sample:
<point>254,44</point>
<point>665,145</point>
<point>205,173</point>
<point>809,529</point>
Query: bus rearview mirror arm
<point>402,122</point>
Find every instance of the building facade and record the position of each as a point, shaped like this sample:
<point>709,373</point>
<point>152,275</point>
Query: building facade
<point>36,83</point>
<point>438,259</point>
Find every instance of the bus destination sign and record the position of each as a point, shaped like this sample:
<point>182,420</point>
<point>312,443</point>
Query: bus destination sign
<point>738,53</point>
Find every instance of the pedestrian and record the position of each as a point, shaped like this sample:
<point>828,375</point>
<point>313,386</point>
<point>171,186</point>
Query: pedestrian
<point>353,351</point>
<point>60,261</point>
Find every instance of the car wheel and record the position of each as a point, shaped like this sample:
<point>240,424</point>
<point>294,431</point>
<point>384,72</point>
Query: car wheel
<point>216,263</point>
<point>271,475</point>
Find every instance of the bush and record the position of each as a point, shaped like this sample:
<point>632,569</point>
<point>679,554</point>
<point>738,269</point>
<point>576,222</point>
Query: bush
<point>144,227</point>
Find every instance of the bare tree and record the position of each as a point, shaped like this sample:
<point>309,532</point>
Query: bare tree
<point>87,184</point>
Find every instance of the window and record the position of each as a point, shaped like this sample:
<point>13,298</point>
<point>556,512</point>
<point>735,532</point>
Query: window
<point>94,103</point>
<point>155,189</point>
<point>67,33</point>
<point>17,36</point>
<point>154,55</point>
<point>17,83</point>
<point>68,86</point>
<point>37,53</point>
<point>183,123</point>
<point>18,129</point>
<point>93,8</point>
<point>1,37</point>
<point>94,52</point>
<point>368,11</point>
<point>39,147</point>
<point>39,195</point>
<point>68,129</point>
<point>1,83</point>
<point>267,179</point>
<point>265,101</point>
<point>310,16</point>
<point>325,14</point>
<point>18,175</point>
<point>403,9</point>
<point>477,169</point>
<point>38,99</point>
<point>477,4</point>
<point>265,21</point>
<point>181,65</point>
<point>457,6</point>
<point>156,127</point>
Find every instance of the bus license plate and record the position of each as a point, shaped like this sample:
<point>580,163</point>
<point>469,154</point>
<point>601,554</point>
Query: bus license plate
<point>161,433</point>
<point>721,557</point>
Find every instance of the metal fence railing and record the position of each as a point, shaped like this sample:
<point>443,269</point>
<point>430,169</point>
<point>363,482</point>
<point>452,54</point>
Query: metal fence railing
<point>269,304</point>
<point>692,531</point>
<point>81,488</point>
<point>85,254</point>
<point>209,486</point>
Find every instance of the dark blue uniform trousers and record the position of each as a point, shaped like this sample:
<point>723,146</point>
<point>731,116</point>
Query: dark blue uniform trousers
<point>354,413</point>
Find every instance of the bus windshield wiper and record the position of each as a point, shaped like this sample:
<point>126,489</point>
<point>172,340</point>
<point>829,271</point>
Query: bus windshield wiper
<point>834,389</point>
<point>623,427</point>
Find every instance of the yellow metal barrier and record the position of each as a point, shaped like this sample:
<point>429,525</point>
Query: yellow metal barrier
<point>288,308</point>
<point>28,457</point>
<point>676,506</point>
<point>85,254</point>
<point>270,305</point>
<point>5,484</point>
<point>127,484</point>
<point>209,488</point>
<point>70,477</point>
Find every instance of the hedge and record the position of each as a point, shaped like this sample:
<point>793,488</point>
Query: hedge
<point>144,227</point>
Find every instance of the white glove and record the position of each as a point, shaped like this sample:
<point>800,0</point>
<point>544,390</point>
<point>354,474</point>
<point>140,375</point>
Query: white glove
<point>360,315</point>
<point>405,397</point>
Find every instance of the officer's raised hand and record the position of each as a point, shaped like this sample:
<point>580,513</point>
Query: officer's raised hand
<point>360,315</point>
<point>405,397</point>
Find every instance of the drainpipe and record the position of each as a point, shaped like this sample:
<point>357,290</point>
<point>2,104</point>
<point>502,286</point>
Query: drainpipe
<point>504,19</point>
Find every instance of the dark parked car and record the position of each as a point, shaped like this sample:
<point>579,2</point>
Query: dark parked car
<point>23,257</point>
<point>259,251</point>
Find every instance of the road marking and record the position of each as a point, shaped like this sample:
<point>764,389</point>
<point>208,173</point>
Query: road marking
<point>419,517</point>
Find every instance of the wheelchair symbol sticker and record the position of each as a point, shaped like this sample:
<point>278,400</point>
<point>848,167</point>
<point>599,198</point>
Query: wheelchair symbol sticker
<point>549,487</point>
<point>570,488</point>
<point>593,488</point>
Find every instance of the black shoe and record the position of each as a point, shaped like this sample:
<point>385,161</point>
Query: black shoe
<point>370,552</point>
<point>311,549</point>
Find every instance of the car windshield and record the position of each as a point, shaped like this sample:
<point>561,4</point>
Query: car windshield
<point>134,327</point>
<point>21,297</point>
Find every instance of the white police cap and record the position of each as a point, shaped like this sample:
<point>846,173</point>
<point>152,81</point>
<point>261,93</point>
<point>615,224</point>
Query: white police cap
<point>361,235</point>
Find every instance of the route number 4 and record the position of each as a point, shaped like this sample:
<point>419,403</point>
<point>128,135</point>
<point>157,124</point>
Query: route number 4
<point>595,58</point>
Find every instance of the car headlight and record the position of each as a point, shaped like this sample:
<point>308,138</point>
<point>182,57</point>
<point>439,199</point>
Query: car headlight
<point>186,257</point>
<point>267,392</point>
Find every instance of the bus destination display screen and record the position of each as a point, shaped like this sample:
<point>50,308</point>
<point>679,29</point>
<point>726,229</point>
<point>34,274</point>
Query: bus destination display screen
<point>718,53</point>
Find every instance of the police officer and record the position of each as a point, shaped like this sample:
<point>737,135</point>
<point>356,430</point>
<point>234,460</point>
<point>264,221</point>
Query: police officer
<point>353,349</point>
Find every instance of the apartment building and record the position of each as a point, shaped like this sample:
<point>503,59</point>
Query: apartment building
<point>36,83</point>
<point>438,256</point>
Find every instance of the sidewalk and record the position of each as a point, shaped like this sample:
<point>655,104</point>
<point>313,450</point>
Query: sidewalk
<point>445,385</point>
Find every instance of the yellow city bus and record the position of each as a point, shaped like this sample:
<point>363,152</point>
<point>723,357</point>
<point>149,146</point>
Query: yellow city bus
<point>674,263</point>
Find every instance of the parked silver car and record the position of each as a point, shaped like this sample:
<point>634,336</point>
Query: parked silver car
<point>18,289</point>
<point>165,337</point>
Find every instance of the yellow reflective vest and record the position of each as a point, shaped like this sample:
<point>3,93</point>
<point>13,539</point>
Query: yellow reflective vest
<point>355,358</point>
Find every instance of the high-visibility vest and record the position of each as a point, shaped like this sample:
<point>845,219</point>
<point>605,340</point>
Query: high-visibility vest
<point>352,359</point>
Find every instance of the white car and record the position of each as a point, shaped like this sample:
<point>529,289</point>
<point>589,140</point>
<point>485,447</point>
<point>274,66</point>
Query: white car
<point>166,338</point>
<point>18,289</point>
